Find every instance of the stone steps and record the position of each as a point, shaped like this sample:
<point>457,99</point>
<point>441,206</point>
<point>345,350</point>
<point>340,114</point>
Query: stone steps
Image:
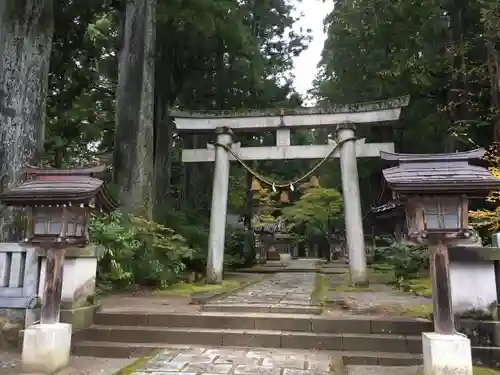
<point>359,340</point>
<point>262,308</point>
<point>256,338</point>
<point>264,321</point>
<point>134,350</point>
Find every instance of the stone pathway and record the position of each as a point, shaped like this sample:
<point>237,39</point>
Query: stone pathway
<point>10,364</point>
<point>292,289</point>
<point>232,361</point>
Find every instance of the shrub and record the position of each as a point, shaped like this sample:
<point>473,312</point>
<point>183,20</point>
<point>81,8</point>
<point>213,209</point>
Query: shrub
<point>137,251</point>
<point>194,228</point>
<point>234,251</point>
<point>407,261</point>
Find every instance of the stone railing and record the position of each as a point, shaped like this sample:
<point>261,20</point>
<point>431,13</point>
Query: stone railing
<point>22,271</point>
<point>19,273</point>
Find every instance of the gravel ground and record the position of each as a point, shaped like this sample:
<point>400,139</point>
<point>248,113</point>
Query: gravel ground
<point>10,364</point>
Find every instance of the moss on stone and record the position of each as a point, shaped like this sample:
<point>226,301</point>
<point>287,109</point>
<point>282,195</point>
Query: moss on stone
<point>183,289</point>
<point>337,367</point>
<point>416,311</point>
<point>130,369</point>
<point>421,287</point>
<point>350,288</point>
<point>320,291</point>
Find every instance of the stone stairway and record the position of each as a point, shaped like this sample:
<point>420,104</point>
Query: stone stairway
<point>359,340</point>
<point>275,313</point>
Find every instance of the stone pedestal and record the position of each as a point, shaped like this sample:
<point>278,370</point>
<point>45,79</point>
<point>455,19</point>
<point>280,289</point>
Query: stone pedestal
<point>446,354</point>
<point>46,348</point>
<point>473,287</point>
<point>78,289</point>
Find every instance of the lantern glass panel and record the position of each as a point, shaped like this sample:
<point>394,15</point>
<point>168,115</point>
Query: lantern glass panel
<point>442,214</point>
<point>54,226</point>
<point>75,227</point>
<point>47,222</point>
<point>411,219</point>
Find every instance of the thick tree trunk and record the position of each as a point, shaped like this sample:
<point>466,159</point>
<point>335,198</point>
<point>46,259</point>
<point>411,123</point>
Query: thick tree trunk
<point>26,28</point>
<point>162,159</point>
<point>134,138</point>
<point>163,133</point>
<point>494,72</point>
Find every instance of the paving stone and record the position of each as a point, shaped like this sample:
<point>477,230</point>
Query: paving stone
<point>284,362</point>
<point>202,358</point>
<point>212,368</point>
<point>165,366</point>
<point>292,371</point>
<point>235,353</point>
<point>237,361</point>
<point>259,370</point>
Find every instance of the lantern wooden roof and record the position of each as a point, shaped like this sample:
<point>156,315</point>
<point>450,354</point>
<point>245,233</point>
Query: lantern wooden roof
<point>439,173</point>
<point>47,187</point>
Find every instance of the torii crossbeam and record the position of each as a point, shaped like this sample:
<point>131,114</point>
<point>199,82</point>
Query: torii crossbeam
<point>344,118</point>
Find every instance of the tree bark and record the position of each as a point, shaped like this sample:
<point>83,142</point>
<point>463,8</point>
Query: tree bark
<point>26,29</point>
<point>162,158</point>
<point>134,137</point>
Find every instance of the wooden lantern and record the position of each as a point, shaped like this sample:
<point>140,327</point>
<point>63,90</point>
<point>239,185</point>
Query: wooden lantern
<point>59,203</point>
<point>437,214</point>
<point>436,189</point>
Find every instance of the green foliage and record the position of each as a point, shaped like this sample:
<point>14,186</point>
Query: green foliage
<point>234,250</point>
<point>406,261</point>
<point>317,210</point>
<point>441,53</point>
<point>137,251</point>
<point>237,190</point>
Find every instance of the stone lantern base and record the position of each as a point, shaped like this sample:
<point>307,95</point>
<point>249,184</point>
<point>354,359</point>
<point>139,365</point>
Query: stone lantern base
<point>46,348</point>
<point>446,354</point>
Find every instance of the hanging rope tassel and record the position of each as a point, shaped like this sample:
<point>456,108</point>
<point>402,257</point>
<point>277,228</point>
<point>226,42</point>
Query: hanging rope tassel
<point>284,197</point>
<point>256,186</point>
<point>314,182</point>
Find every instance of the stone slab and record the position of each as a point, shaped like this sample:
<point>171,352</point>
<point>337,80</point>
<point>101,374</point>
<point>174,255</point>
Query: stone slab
<point>231,361</point>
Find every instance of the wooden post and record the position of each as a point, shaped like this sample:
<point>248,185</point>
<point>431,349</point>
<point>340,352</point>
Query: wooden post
<point>441,291</point>
<point>55,252</point>
<point>53,286</point>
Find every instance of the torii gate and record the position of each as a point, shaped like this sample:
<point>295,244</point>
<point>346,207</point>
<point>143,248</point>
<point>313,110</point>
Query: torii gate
<point>345,118</point>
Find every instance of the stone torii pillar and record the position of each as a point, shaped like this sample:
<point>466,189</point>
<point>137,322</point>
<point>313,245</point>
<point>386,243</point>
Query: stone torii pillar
<point>352,204</point>
<point>218,213</point>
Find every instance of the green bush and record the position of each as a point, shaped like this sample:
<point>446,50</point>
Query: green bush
<point>406,261</point>
<point>194,228</point>
<point>136,251</point>
<point>234,251</point>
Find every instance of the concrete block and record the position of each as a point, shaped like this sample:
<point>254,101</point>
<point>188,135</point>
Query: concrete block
<point>46,348</point>
<point>446,354</point>
<point>79,275</point>
<point>473,287</point>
